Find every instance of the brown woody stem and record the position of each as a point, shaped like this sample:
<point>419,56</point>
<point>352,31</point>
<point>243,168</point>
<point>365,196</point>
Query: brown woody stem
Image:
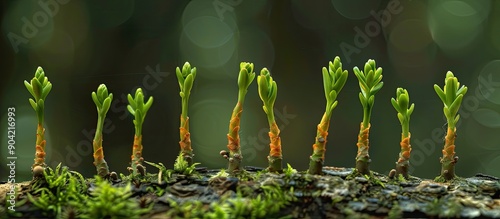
<point>275,157</point>
<point>185,142</point>
<point>137,156</point>
<point>39,148</point>
<point>449,159</point>
<point>363,158</point>
<point>404,156</point>
<point>233,140</point>
<point>319,147</point>
<point>99,162</point>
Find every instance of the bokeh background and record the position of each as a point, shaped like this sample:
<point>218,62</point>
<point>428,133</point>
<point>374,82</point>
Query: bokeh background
<point>128,44</point>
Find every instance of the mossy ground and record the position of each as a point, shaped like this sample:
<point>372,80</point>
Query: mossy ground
<point>256,194</point>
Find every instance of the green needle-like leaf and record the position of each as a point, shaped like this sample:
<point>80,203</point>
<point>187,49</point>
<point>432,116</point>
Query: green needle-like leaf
<point>339,84</point>
<point>29,88</point>
<point>333,105</point>
<point>367,67</point>
<point>446,112</point>
<point>131,109</point>
<point>37,88</point>
<point>106,104</point>
<point>139,99</point>
<point>131,101</point>
<point>410,111</point>
<point>376,88</point>
<point>46,90</point>
<point>33,104</point>
<point>462,90</point>
<point>188,84</point>
<point>378,75</point>
<point>362,99</point>
<point>456,105</point>
<point>401,118</point>
<point>369,78</point>
<point>148,104</point>
<point>395,105</point>
<point>180,78</point>
<point>274,92</point>
<point>263,84</point>
<point>39,72</point>
<point>96,100</point>
<point>242,78</point>
<point>139,116</point>
<point>440,93</point>
<point>371,100</point>
<point>326,81</point>
<point>450,89</point>
<point>403,102</point>
<point>40,108</point>
<point>333,95</point>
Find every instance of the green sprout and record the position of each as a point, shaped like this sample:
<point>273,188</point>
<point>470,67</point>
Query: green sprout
<point>333,81</point>
<point>39,87</point>
<point>182,166</point>
<point>138,109</point>
<point>451,95</point>
<point>402,106</point>
<point>164,174</point>
<point>102,101</point>
<point>245,78</point>
<point>268,91</point>
<point>221,173</point>
<point>370,82</point>
<point>108,201</point>
<point>289,171</point>
<point>60,189</point>
<point>186,77</point>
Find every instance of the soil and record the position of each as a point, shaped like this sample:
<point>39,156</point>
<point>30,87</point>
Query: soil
<point>336,194</point>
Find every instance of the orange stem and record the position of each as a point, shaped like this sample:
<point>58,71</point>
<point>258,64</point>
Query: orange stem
<point>185,142</point>
<point>99,162</point>
<point>363,157</point>
<point>234,127</point>
<point>404,155</point>
<point>449,159</point>
<point>449,146</point>
<point>363,142</point>
<point>274,137</point>
<point>40,147</point>
<point>136,153</point>
<point>319,147</point>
